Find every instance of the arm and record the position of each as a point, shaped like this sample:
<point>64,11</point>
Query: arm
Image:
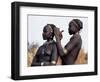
<point>54,55</point>
<point>58,36</point>
<point>35,63</point>
<point>72,43</point>
<point>35,59</point>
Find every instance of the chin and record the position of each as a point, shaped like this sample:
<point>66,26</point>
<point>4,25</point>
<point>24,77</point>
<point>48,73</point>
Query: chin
<point>70,33</point>
<point>43,37</point>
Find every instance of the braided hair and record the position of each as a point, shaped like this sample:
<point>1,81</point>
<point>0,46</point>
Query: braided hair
<point>78,25</point>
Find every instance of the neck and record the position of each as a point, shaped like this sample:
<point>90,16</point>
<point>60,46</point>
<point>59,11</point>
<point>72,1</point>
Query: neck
<point>49,40</point>
<point>77,33</point>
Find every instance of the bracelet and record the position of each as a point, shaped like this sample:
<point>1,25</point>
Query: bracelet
<point>53,62</point>
<point>42,63</point>
<point>65,51</point>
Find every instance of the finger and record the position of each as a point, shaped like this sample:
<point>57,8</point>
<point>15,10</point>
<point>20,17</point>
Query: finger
<point>55,29</point>
<point>58,29</point>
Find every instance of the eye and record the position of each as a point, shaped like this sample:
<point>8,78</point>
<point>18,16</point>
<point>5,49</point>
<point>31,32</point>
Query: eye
<point>44,30</point>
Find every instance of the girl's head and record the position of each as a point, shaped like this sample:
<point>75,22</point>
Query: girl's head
<point>75,26</point>
<point>48,31</point>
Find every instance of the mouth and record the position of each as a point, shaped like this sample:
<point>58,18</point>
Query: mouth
<point>44,37</point>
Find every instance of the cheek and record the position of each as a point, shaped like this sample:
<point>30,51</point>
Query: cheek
<point>45,35</point>
<point>72,30</point>
<point>42,34</point>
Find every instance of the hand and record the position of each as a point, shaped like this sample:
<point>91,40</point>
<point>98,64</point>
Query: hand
<point>58,34</point>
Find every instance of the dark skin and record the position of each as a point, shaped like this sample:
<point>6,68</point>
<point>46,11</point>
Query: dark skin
<point>64,52</point>
<point>47,33</point>
<point>50,48</point>
<point>58,36</point>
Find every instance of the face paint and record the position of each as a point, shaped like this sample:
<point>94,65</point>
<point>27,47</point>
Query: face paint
<point>72,28</point>
<point>47,32</point>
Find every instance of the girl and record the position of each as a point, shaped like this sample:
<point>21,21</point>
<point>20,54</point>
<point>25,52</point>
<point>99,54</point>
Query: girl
<point>71,50</point>
<point>47,53</point>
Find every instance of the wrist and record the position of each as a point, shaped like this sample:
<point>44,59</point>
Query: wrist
<point>58,40</point>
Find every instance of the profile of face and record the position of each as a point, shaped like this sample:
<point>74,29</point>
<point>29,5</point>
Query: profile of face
<point>75,26</point>
<point>72,28</point>
<point>47,32</point>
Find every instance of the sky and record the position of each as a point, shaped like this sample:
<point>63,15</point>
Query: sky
<point>37,22</point>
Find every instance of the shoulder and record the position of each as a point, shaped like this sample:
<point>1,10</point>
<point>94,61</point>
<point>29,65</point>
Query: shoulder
<point>40,47</point>
<point>77,36</point>
<point>53,44</point>
<point>76,39</point>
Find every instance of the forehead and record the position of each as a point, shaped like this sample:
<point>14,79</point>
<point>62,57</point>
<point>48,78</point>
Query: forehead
<point>71,23</point>
<point>47,28</point>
